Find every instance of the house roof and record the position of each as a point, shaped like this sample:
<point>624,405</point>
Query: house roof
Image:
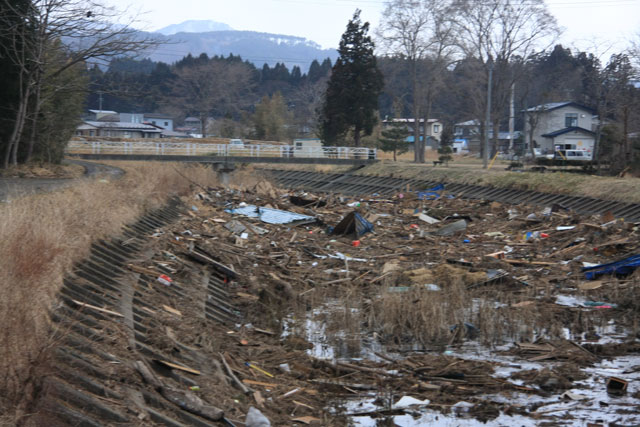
<point>556,105</point>
<point>473,122</point>
<point>157,116</point>
<point>404,120</point>
<point>102,111</point>
<point>567,130</point>
<point>123,126</point>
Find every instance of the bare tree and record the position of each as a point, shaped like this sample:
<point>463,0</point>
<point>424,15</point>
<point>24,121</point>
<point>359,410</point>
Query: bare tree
<point>80,29</point>
<point>419,32</point>
<point>211,87</point>
<point>500,34</point>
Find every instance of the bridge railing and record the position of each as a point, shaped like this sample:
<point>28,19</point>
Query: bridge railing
<point>222,150</point>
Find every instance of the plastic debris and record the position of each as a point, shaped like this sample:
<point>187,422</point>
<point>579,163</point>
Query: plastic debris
<point>432,193</point>
<point>255,418</point>
<point>165,280</point>
<point>353,224</point>
<point>452,228</point>
<point>271,216</point>
<point>622,267</point>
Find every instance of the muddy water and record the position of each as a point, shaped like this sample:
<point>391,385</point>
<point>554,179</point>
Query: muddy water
<point>586,402</point>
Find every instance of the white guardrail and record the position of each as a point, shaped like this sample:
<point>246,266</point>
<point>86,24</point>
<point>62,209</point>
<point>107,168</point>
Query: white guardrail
<point>221,150</point>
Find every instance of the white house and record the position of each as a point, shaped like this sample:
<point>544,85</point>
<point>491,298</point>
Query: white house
<point>560,125</point>
<point>433,130</point>
<point>117,129</point>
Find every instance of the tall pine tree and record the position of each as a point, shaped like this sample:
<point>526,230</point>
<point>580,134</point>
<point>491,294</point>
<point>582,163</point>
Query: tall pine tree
<point>352,93</point>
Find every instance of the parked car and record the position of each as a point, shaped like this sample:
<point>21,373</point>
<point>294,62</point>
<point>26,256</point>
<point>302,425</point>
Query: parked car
<point>574,155</point>
<point>236,143</point>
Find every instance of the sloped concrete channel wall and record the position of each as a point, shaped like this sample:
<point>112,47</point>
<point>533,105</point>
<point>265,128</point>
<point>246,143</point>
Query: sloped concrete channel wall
<point>90,386</point>
<point>351,184</point>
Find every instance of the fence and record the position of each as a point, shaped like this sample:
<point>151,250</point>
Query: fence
<point>219,150</point>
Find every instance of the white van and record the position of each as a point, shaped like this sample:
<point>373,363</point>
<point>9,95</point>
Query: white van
<point>574,155</point>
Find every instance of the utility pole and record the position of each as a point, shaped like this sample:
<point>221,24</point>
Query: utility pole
<point>512,117</point>
<point>487,121</point>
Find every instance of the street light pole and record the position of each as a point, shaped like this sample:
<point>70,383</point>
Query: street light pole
<point>487,122</point>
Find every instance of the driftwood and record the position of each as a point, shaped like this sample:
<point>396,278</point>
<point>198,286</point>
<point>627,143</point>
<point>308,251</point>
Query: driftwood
<point>192,403</point>
<point>343,384</point>
<point>236,381</point>
<point>365,369</point>
<point>185,400</point>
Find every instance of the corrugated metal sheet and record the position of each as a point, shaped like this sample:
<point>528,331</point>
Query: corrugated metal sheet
<point>270,216</point>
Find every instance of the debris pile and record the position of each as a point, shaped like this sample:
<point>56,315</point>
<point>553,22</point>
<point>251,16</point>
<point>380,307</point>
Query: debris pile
<point>236,306</point>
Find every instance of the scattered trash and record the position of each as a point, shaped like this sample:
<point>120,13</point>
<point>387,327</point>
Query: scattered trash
<point>255,418</point>
<point>622,267</point>
<point>272,216</point>
<point>428,219</point>
<point>616,386</point>
<point>452,228</point>
<point>432,193</point>
<point>165,280</point>
<point>353,224</point>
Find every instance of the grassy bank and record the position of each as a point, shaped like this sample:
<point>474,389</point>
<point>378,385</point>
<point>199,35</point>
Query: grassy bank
<point>601,187</point>
<point>43,236</point>
<point>468,170</point>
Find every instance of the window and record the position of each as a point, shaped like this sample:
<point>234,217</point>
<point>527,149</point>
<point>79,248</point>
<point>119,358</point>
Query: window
<point>166,123</point>
<point>570,120</point>
<point>436,128</point>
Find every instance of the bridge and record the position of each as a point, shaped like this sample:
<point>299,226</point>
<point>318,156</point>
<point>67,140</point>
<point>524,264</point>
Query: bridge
<point>224,154</point>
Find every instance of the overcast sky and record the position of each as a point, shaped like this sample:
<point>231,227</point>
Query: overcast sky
<point>587,23</point>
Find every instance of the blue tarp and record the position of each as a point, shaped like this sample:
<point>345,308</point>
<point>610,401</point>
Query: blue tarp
<point>432,193</point>
<point>621,267</point>
<point>270,216</point>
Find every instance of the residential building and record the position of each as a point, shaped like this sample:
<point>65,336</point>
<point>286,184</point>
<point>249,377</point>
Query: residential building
<point>433,130</point>
<point>99,114</point>
<point>468,135</point>
<point>163,120</point>
<point>560,125</point>
<point>117,129</point>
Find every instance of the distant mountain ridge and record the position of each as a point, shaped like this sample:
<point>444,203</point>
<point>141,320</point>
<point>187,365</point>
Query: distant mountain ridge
<point>194,26</point>
<point>258,48</point>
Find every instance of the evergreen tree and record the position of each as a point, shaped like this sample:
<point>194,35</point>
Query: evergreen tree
<point>395,139</point>
<point>445,150</point>
<point>352,93</point>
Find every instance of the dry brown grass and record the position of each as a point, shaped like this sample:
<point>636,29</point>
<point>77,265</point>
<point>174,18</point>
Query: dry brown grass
<point>43,236</point>
<point>37,170</point>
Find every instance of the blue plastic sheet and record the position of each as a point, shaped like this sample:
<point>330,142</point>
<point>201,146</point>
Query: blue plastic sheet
<point>270,216</point>
<point>621,267</point>
<point>432,193</point>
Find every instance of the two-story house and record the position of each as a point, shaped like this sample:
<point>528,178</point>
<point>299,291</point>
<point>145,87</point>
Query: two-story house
<point>468,137</point>
<point>560,125</point>
<point>433,130</point>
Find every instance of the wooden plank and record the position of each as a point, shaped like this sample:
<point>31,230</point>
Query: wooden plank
<point>143,270</point>
<point>172,310</point>
<point>178,367</point>
<point>252,382</point>
<point>93,307</point>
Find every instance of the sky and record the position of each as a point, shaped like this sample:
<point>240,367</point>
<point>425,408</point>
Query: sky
<point>598,26</point>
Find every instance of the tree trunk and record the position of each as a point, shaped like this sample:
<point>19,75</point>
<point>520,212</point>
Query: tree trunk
<point>11,154</point>
<point>356,137</point>
<point>34,123</point>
